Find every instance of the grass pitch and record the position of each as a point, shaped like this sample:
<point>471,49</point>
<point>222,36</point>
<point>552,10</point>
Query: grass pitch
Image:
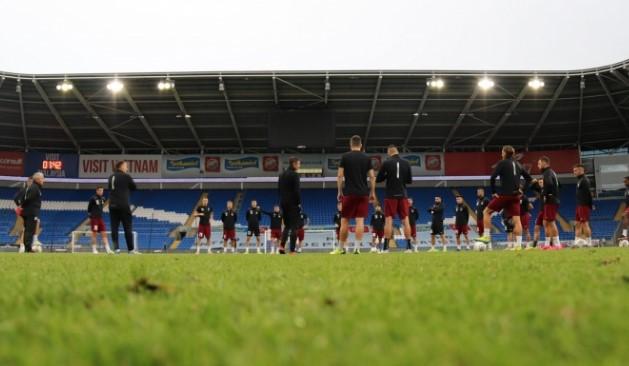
<point>544,308</point>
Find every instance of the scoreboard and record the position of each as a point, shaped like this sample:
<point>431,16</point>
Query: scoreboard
<point>58,165</point>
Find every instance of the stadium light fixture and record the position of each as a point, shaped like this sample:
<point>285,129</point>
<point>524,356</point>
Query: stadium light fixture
<point>221,85</point>
<point>65,86</point>
<point>166,84</point>
<point>536,83</point>
<point>486,83</point>
<point>435,83</point>
<point>115,86</point>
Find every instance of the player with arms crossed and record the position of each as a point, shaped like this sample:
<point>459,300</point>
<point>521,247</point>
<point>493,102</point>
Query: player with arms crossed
<point>253,216</point>
<point>276,227</point>
<point>204,231</point>
<point>508,196</point>
<point>396,172</point>
<point>354,169</point>
<point>550,196</point>
<point>97,224</point>
<point>584,206</point>
<point>461,221</point>
<point>229,217</point>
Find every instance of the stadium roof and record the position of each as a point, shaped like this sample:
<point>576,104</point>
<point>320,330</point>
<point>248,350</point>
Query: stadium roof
<point>586,108</point>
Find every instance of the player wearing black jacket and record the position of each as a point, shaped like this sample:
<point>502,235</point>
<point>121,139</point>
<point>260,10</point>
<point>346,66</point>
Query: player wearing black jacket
<point>19,220</point>
<point>396,172</point>
<point>97,224</point>
<point>584,205</point>
<point>253,217</point>
<point>481,204</point>
<point>550,196</point>
<point>377,223</point>
<point>436,225</point>
<point>229,218</point>
<point>276,227</point>
<point>413,216</point>
<point>290,201</point>
<point>120,186</point>
<point>31,206</point>
<point>462,219</point>
<point>507,196</point>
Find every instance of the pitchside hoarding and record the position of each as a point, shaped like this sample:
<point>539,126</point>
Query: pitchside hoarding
<point>101,166</point>
<point>53,165</point>
<point>12,163</point>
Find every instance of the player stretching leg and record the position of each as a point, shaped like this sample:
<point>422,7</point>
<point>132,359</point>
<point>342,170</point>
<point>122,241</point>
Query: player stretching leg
<point>508,196</point>
<point>229,217</point>
<point>436,225</point>
<point>354,169</point>
<point>461,223</point>
<point>253,216</point>
<point>377,229</point>
<point>550,196</point>
<point>276,228</point>
<point>396,172</point>
<point>97,224</point>
<point>584,206</point>
<point>204,231</point>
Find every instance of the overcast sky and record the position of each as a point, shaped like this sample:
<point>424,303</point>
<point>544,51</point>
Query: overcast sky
<point>77,36</point>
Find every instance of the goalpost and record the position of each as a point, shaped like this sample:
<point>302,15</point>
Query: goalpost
<point>75,237</point>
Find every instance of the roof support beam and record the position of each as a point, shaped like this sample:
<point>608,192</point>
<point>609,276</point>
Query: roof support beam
<point>416,116</point>
<point>2,79</point>
<point>373,109</point>
<point>223,88</point>
<point>461,117</point>
<point>56,114</point>
<point>145,123</point>
<point>276,98</point>
<point>97,118</point>
<point>613,103</point>
<point>621,77</point>
<point>299,88</point>
<point>326,89</point>
<point>514,104</point>
<point>188,119</point>
<point>22,118</point>
<point>547,111</point>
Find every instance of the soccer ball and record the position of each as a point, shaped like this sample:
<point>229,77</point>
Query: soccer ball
<point>479,246</point>
<point>37,248</point>
<point>580,243</point>
<point>623,243</point>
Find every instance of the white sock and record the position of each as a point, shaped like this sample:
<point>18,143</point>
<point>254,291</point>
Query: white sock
<point>547,241</point>
<point>486,232</point>
<point>35,238</point>
<point>518,241</point>
<point>556,241</point>
<point>624,232</point>
<point>589,241</point>
<point>357,245</point>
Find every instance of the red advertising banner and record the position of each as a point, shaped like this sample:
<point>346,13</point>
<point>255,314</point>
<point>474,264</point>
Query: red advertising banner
<point>12,163</point>
<point>482,163</point>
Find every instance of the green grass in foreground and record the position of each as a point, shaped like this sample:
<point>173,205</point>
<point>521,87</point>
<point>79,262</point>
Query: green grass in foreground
<point>544,308</point>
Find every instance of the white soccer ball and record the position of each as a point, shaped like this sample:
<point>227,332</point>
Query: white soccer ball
<point>580,243</point>
<point>37,248</point>
<point>479,246</point>
<point>623,243</point>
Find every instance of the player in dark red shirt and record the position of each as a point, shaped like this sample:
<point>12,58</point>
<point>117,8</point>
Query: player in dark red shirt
<point>204,231</point>
<point>97,224</point>
<point>354,169</point>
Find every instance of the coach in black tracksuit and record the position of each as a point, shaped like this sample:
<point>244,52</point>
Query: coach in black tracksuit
<point>290,201</point>
<point>31,206</point>
<point>120,186</point>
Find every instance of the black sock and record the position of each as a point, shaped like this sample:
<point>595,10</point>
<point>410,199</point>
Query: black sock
<point>385,246</point>
<point>408,244</point>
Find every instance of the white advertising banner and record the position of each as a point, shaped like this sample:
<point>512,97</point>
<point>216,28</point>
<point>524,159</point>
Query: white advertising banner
<point>246,165</point>
<point>102,166</point>
<point>182,166</point>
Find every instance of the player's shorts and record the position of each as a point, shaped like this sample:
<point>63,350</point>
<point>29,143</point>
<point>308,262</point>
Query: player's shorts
<point>378,234</point>
<point>355,206</point>
<point>300,234</point>
<point>396,207</point>
<point>276,234</point>
<point>550,211</point>
<point>204,231</point>
<point>436,229</point>
<point>526,221</point>
<point>253,230</point>
<point>229,234</point>
<point>627,211</point>
<point>97,225</point>
<point>539,221</point>
<point>583,213</point>
<point>480,226</point>
<point>461,229</point>
<point>509,203</point>
<point>413,231</point>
